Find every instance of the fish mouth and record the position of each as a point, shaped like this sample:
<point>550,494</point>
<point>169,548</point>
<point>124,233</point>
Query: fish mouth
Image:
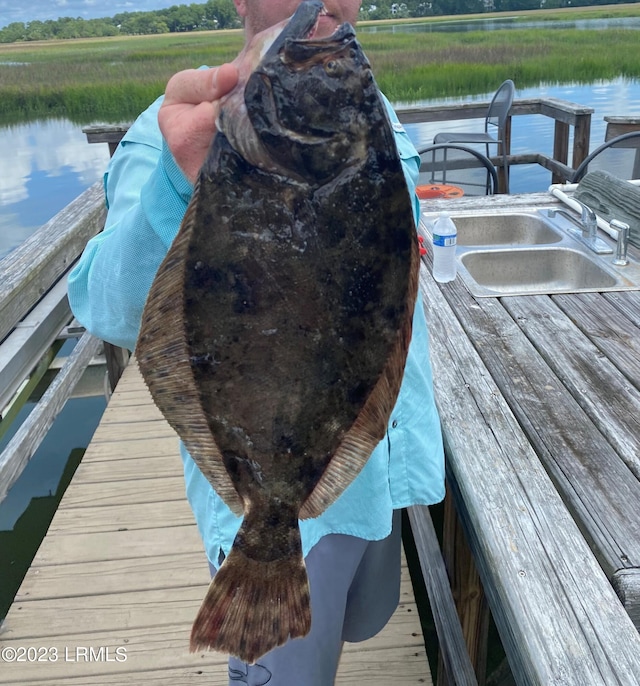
<point>313,33</point>
<point>302,26</point>
<point>299,41</point>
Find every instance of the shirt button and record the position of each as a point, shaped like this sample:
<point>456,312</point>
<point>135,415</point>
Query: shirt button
<point>394,423</point>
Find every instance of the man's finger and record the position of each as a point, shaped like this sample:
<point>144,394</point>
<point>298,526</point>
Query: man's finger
<point>193,86</point>
<point>224,80</point>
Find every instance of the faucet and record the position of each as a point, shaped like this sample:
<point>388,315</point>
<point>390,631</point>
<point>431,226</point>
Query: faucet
<point>588,219</point>
<point>584,229</point>
<point>622,243</point>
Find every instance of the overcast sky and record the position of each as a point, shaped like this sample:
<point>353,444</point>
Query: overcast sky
<point>30,10</point>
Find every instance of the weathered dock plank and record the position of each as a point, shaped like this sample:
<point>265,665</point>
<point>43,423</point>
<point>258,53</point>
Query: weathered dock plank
<point>113,545</point>
<point>161,448</point>
<point>130,516</point>
<point>120,468</point>
<point>155,490</point>
<point>114,576</point>
<point>568,345</point>
<point>558,616</point>
<point>122,567</point>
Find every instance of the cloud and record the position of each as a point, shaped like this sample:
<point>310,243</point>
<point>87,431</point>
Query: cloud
<point>43,10</point>
<point>52,164</point>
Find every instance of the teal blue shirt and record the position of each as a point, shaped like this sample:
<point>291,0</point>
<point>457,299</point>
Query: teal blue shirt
<point>147,195</point>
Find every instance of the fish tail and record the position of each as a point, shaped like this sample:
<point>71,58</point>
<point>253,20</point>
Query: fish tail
<point>253,606</point>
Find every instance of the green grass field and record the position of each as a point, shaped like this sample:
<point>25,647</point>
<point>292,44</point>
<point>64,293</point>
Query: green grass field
<point>113,79</point>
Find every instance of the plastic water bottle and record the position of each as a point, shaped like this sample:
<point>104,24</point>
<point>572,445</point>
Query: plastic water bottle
<point>444,248</point>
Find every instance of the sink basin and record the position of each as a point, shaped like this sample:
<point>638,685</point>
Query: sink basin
<point>521,228</point>
<point>534,270</point>
<point>532,252</point>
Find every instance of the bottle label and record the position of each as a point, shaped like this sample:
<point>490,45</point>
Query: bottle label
<point>444,241</point>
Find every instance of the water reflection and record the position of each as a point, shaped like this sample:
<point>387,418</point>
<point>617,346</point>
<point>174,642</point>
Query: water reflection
<point>43,167</point>
<point>464,26</point>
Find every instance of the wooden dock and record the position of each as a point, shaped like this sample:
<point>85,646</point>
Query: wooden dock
<point>538,396</point>
<point>114,588</point>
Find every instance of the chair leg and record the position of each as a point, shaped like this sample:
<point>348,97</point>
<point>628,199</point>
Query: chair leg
<point>444,166</point>
<point>487,188</point>
<point>505,165</point>
<point>503,169</point>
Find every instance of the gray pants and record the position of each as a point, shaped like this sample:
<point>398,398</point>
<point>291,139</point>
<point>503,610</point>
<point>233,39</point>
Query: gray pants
<point>355,588</point>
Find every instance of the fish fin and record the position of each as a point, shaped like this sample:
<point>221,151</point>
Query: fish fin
<point>370,426</point>
<point>253,606</point>
<point>163,358</point>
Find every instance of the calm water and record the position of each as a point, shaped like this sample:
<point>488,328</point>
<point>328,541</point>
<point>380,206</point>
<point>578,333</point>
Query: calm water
<point>463,26</point>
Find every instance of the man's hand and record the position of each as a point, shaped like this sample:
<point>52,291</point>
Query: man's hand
<point>188,114</point>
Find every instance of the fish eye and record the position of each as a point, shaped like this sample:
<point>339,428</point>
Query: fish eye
<point>333,67</point>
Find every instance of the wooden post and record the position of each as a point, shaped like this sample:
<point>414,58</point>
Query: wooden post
<point>504,148</point>
<point>468,593</point>
<point>581,136</point>
<point>455,668</point>
<point>616,126</point>
<point>116,359</point>
<point>560,146</point>
<point>109,134</point>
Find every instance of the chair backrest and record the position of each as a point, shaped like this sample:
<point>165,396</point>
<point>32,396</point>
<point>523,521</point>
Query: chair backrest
<point>499,108</point>
<point>452,164</point>
<point>619,156</point>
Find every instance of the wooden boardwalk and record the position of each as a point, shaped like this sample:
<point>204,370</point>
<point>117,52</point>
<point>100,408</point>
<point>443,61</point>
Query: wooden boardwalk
<point>116,583</point>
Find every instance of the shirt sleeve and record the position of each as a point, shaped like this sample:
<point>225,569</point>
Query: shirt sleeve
<point>408,156</point>
<point>146,195</point>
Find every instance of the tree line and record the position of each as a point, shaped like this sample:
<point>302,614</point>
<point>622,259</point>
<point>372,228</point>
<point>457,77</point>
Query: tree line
<point>214,14</point>
<point>221,14</point>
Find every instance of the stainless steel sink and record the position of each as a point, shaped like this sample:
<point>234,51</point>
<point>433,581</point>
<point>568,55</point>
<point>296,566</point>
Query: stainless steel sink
<point>535,270</point>
<point>531,252</point>
<point>523,228</point>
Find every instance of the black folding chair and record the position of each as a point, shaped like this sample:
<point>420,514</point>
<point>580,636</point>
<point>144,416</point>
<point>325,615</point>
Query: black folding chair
<point>495,124</point>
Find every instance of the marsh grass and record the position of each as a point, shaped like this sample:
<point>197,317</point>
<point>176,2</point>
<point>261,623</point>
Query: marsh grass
<point>113,79</point>
<point>100,79</point>
<point>477,62</point>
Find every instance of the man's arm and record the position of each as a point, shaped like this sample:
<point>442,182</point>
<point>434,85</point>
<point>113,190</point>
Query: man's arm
<point>148,185</point>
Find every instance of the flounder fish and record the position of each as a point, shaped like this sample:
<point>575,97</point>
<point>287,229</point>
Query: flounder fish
<point>275,333</point>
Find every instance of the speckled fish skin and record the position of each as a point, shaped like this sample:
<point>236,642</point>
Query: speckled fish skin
<point>275,335</point>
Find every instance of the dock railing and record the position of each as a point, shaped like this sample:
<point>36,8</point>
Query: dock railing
<point>567,116</point>
<point>34,321</point>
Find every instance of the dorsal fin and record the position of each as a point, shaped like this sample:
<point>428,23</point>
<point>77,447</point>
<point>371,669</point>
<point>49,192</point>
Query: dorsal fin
<point>164,361</point>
